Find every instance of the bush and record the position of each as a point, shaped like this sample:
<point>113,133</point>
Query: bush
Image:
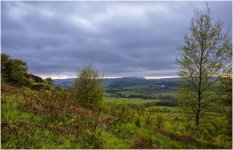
<point>88,88</point>
<point>121,111</point>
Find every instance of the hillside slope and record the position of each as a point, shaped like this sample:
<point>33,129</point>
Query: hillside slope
<point>44,119</point>
<point>53,119</point>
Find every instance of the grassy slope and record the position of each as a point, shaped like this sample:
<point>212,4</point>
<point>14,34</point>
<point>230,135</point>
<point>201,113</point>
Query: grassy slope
<point>46,119</point>
<point>51,119</point>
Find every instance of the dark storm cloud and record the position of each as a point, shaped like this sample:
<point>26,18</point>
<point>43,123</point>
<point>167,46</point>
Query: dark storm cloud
<point>118,38</point>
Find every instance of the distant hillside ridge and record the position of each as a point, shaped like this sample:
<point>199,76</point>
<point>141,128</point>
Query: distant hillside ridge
<point>124,81</point>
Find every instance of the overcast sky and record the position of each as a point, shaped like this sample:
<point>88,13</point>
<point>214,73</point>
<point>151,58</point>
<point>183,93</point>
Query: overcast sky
<point>119,38</point>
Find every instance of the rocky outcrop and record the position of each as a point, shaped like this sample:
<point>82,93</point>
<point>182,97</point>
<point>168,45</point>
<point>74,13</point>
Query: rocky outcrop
<point>34,78</point>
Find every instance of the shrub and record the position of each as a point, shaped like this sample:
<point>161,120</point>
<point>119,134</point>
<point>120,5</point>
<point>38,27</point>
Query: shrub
<point>122,112</point>
<point>88,88</point>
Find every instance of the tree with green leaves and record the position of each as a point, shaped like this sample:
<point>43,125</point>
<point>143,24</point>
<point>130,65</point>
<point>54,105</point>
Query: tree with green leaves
<point>48,81</point>
<point>202,58</point>
<point>226,78</point>
<point>225,87</point>
<point>88,88</point>
<point>13,70</point>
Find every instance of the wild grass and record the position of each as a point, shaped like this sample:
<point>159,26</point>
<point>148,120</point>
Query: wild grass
<point>53,119</point>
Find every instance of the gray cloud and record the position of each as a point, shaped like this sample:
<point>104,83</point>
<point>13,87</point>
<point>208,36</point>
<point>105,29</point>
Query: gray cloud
<point>118,38</point>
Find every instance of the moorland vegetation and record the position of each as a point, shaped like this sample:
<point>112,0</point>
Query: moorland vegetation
<point>194,113</point>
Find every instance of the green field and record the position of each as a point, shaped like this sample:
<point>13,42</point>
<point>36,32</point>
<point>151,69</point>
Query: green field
<point>141,87</point>
<point>128,100</point>
<point>167,108</point>
<point>128,93</point>
<point>143,90</point>
<point>169,93</point>
<point>143,101</point>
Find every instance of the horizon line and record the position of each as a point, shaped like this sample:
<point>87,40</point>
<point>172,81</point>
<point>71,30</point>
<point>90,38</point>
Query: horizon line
<point>113,77</point>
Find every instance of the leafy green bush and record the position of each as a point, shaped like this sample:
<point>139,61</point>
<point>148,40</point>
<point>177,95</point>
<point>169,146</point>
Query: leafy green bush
<point>88,88</point>
<point>122,111</point>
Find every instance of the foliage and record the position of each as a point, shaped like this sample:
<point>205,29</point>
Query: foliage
<point>88,88</point>
<point>112,141</point>
<point>48,81</point>
<point>53,119</point>
<point>203,55</point>
<point>226,77</point>
<point>159,121</point>
<point>91,140</point>
<point>13,70</point>
<point>122,112</point>
<point>143,141</point>
<point>161,103</point>
<point>225,86</point>
<point>42,119</point>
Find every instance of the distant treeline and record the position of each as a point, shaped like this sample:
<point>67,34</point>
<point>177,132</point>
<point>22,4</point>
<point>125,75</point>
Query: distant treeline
<point>160,97</point>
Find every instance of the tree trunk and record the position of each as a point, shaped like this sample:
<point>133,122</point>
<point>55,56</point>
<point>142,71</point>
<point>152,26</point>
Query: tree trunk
<point>197,119</point>
<point>196,132</point>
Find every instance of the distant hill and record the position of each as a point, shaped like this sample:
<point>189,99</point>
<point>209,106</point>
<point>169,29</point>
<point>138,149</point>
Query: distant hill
<point>64,83</point>
<point>121,82</point>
